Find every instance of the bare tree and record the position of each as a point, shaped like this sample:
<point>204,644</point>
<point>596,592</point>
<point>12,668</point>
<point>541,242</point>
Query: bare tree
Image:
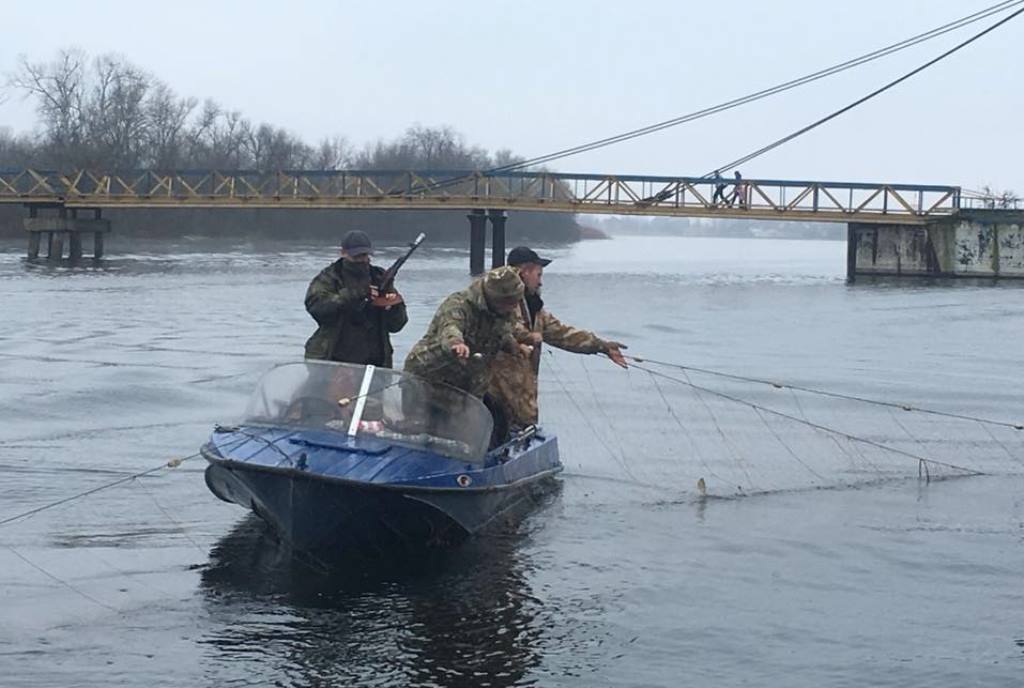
<point>165,133</point>
<point>433,146</point>
<point>332,154</point>
<point>59,90</point>
<point>16,151</point>
<point>217,139</point>
<point>115,113</point>
<point>111,114</point>
<point>504,157</point>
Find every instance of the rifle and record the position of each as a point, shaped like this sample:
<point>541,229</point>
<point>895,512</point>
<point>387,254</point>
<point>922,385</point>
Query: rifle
<point>387,281</point>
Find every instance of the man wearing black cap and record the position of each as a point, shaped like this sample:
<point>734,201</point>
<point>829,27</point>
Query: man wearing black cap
<point>354,319</point>
<point>514,378</point>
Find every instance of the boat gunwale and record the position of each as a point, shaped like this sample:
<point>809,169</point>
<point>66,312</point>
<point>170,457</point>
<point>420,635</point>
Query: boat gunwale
<point>313,477</point>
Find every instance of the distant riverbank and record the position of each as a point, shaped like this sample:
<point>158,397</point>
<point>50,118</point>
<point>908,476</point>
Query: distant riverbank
<point>443,227</point>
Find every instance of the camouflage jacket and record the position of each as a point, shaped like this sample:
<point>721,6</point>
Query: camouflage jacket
<point>462,317</point>
<point>350,330</point>
<point>513,383</point>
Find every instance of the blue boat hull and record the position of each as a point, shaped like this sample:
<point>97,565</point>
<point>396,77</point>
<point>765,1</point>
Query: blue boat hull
<point>324,504</point>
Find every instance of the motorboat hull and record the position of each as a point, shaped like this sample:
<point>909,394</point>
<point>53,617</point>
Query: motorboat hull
<point>333,513</point>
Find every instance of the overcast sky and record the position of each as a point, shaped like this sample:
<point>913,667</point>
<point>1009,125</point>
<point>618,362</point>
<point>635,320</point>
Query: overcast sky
<point>539,75</point>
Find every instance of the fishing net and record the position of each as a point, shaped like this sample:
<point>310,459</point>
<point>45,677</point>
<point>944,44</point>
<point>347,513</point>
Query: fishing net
<point>691,431</point>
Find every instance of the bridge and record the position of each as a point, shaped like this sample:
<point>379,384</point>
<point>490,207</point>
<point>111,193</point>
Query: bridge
<point>486,195</point>
<point>759,199</point>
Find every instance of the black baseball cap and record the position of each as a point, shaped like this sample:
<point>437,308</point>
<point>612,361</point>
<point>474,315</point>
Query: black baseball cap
<point>521,255</point>
<point>356,243</point>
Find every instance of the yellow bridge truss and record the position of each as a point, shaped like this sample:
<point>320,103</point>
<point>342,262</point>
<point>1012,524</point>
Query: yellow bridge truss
<point>758,199</point>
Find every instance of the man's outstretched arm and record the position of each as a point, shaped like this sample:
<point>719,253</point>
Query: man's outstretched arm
<point>558,334</point>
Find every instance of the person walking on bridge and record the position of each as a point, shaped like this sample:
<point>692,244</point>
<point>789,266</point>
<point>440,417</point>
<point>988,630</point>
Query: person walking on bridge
<point>719,197</point>
<point>354,320</point>
<point>513,384</point>
<point>739,192</point>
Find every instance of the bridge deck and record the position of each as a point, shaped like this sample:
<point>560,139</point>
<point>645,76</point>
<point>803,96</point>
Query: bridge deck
<point>761,199</point>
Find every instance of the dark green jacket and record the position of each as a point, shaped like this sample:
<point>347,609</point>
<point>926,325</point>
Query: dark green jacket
<point>350,330</point>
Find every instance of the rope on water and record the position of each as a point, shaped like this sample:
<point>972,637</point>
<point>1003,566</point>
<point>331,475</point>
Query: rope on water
<point>58,580</point>
<point>169,464</point>
<point>172,463</point>
<point>171,518</point>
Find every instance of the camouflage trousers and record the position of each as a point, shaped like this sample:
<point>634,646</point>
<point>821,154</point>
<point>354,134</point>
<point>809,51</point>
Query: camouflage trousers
<point>513,388</point>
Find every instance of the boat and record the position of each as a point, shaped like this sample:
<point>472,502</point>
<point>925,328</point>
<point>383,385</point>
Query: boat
<point>338,457</point>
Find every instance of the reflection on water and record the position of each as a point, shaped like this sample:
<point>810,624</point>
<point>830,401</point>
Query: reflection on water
<point>454,618</point>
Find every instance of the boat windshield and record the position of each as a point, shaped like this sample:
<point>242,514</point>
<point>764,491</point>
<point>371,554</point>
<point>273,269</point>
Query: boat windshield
<point>377,402</point>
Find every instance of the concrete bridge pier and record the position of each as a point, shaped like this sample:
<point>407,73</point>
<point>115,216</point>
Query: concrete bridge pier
<point>478,239</point>
<point>498,219</point>
<point>972,243</point>
<point>65,225</point>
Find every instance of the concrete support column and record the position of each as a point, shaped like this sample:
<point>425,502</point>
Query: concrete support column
<point>74,241</point>
<point>33,237</point>
<point>97,237</point>
<point>477,240</point>
<point>852,237</point>
<point>56,246</point>
<point>66,226</point>
<point>75,246</point>
<point>498,219</point>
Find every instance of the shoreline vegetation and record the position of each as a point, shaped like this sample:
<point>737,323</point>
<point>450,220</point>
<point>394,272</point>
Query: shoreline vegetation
<point>106,113</point>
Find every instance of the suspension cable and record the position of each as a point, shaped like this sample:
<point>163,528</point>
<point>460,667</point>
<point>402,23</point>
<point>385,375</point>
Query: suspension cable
<point>743,100</point>
<point>814,125</point>
<point>758,95</point>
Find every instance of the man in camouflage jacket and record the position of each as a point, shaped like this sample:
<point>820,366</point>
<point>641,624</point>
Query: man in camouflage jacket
<point>353,319</point>
<point>513,385</point>
<point>477,320</point>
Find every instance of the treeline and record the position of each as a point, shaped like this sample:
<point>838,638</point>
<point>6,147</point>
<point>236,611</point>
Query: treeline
<point>105,113</point>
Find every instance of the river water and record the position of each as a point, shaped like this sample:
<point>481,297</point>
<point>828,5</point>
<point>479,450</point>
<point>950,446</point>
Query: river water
<point>814,559</point>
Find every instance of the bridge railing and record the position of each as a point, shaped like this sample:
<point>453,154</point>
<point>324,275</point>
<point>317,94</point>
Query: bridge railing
<point>633,194</point>
<point>979,202</point>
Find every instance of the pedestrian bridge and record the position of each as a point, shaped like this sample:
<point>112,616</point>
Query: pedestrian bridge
<point>755,199</point>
